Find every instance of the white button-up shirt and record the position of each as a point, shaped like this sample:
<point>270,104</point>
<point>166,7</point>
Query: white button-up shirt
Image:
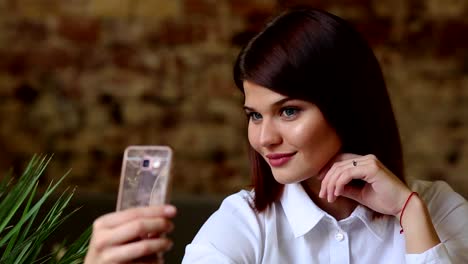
<point>295,230</point>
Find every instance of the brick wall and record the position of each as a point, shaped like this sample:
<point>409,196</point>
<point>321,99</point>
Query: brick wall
<point>85,78</point>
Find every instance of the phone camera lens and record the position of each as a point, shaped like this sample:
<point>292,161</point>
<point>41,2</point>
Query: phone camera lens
<point>146,163</point>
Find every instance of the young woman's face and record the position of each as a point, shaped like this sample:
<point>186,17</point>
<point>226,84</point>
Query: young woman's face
<point>291,135</point>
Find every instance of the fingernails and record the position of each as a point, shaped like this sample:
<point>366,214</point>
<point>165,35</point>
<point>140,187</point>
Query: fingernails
<point>170,209</point>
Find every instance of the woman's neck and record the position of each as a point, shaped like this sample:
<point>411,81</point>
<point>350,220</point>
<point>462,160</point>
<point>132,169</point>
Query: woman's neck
<point>341,208</point>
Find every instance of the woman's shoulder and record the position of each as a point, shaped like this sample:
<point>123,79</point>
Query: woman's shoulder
<point>433,190</point>
<point>237,210</point>
<point>449,214</point>
<point>240,207</point>
<point>439,197</point>
<point>242,200</point>
<point>233,232</point>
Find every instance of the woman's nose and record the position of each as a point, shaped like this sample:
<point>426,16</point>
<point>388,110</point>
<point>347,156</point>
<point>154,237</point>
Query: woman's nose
<point>269,134</point>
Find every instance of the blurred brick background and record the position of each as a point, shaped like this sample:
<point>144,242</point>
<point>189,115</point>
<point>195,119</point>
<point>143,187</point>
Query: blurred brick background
<point>85,78</point>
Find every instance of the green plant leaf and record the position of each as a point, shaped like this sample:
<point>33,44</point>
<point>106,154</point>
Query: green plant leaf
<point>77,250</point>
<point>22,241</point>
<point>33,210</point>
<point>25,231</point>
<point>18,193</point>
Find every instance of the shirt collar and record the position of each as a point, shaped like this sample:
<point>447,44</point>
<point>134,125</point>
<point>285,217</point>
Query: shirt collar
<point>303,214</point>
<point>376,225</point>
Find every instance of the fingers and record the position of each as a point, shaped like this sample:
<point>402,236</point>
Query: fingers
<point>128,235</point>
<point>353,192</point>
<point>343,172</point>
<point>381,191</point>
<point>132,251</point>
<point>117,218</point>
<point>135,229</point>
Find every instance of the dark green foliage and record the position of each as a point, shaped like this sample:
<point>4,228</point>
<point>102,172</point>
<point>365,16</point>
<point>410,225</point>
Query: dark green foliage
<point>22,232</point>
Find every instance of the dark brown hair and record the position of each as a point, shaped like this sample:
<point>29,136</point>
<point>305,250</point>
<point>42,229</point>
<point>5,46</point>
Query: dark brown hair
<point>312,55</point>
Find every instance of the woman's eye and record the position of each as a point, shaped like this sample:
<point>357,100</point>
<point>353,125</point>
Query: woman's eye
<point>254,116</point>
<point>289,112</point>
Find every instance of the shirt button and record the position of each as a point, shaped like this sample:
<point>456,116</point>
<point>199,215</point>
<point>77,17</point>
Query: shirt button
<point>339,236</point>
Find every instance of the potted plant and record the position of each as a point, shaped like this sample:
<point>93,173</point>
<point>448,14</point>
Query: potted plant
<point>25,223</point>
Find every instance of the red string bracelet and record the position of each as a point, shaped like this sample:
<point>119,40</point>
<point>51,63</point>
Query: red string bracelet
<point>403,209</point>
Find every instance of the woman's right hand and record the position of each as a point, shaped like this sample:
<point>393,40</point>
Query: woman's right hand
<point>131,234</point>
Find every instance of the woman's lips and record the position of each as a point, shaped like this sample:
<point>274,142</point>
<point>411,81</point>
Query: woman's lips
<point>279,159</point>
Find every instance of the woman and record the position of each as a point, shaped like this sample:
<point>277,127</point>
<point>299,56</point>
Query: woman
<point>326,165</point>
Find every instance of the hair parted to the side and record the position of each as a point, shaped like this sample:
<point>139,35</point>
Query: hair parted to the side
<point>312,55</point>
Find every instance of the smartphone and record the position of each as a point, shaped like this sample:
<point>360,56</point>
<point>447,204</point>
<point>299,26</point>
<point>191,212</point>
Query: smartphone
<point>145,176</point>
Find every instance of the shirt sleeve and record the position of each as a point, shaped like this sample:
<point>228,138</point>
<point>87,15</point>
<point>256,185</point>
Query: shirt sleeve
<point>231,235</point>
<point>449,214</point>
<point>435,255</point>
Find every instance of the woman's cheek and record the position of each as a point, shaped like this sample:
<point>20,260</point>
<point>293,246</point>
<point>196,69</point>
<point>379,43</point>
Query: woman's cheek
<point>252,137</point>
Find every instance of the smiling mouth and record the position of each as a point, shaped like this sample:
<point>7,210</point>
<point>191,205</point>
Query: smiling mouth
<point>279,159</point>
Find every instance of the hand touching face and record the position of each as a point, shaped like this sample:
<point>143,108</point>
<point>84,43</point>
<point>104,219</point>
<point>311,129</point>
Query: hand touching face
<point>382,192</point>
<point>298,143</point>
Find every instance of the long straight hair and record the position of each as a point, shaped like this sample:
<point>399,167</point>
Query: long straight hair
<point>315,56</point>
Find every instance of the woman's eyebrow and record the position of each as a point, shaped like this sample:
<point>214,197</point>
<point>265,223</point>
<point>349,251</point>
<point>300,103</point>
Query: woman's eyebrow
<point>275,104</point>
<point>248,109</point>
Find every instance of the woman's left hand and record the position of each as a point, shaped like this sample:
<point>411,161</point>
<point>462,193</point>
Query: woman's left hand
<point>382,192</point>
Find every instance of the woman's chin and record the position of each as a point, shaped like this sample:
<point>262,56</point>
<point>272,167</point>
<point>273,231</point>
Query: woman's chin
<point>290,180</point>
